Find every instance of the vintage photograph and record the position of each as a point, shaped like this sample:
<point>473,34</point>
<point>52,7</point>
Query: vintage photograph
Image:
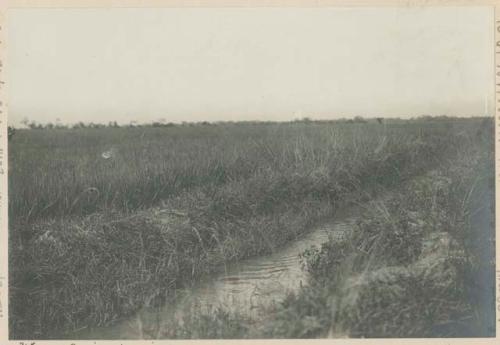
<point>251,172</point>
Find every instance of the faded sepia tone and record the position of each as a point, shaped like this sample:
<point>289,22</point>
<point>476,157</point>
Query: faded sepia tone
<point>249,173</point>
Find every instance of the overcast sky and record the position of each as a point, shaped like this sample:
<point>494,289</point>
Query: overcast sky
<point>190,64</point>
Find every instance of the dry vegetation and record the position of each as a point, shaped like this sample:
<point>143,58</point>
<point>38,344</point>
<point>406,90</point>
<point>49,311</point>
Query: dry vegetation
<point>94,238</point>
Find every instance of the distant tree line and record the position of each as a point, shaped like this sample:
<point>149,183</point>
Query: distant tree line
<point>10,132</point>
<point>162,123</point>
<point>81,125</point>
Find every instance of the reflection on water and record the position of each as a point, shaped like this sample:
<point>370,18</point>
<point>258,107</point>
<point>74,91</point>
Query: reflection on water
<point>247,286</point>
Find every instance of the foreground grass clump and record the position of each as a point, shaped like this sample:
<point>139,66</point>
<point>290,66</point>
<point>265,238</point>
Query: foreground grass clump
<point>412,266</point>
<point>94,239</point>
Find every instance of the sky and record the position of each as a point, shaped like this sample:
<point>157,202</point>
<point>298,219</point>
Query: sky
<point>230,64</point>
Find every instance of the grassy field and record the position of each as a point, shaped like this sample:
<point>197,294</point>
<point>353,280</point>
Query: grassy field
<point>106,220</point>
<point>416,265</point>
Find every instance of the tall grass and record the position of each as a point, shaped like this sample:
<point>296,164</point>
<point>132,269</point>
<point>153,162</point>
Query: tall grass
<point>417,265</point>
<point>62,172</point>
<point>94,239</point>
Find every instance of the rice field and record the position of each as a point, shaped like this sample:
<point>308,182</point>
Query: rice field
<point>104,221</point>
<point>416,265</point>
